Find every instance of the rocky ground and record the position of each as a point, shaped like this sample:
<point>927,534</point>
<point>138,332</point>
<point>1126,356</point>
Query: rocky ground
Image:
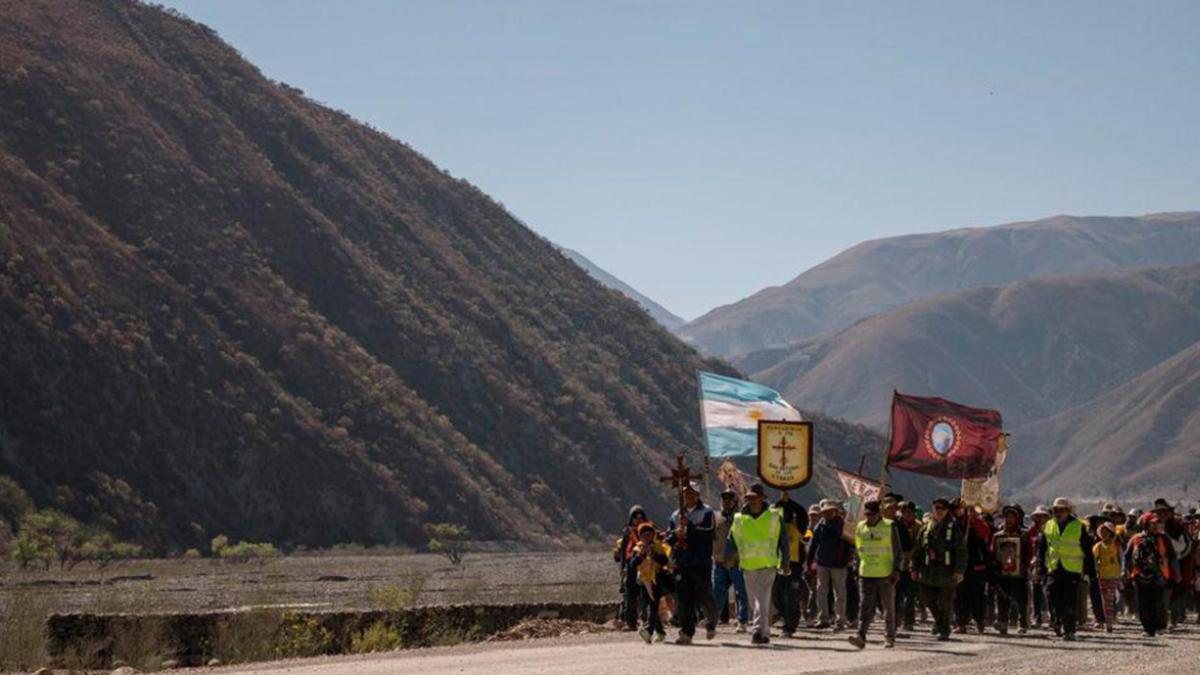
<point>340,580</point>
<point>1037,654</point>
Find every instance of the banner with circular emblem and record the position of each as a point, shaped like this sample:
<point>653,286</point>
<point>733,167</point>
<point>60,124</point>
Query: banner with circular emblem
<point>785,456</point>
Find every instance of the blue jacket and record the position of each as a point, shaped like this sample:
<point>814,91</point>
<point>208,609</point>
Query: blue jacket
<point>702,526</point>
<point>828,548</point>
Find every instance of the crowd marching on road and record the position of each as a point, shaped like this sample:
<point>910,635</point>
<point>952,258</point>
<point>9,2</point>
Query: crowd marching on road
<point>953,567</point>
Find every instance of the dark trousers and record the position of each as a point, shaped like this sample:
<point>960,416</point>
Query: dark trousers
<point>877,593</point>
<point>650,602</point>
<point>1150,600</point>
<point>853,599</point>
<point>630,594</point>
<point>940,601</point>
<point>787,594</point>
<point>1012,594</point>
<point>1038,601</point>
<point>971,600</point>
<point>1062,587</point>
<point>906,601</point>
<point>693,591</point>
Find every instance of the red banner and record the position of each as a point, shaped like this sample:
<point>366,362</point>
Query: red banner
<point>941,438</point>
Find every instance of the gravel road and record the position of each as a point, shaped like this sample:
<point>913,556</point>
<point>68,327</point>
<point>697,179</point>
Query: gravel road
<point>616,653</point>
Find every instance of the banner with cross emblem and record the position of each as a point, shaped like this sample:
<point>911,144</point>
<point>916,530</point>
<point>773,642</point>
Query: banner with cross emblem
<point>785,456</point>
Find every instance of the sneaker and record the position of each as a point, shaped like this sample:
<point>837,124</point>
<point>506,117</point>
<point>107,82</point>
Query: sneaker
<point>822,625</point>
<point>683,639</point>
<point>1022,630</point>
<point>757,639</point>
<point>857,640</point>
<point>889,642</point>
<point>839,627</point>
<point>961,630</point>
<point>1070,637</point>
<point>1108,628</point>
<point>710,633</point>
<point>942,637</point>
<point>644,633</point>
<point>909,627</point>
<point>766,640</point>
<point>789,634</point>
<point>660,637</point>
<point>741,627</point>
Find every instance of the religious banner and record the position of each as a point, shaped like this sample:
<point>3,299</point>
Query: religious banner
<point>859,490</point>
<point>942,438</point>
<point>985,492</point>
<point>785,454</point>
<point>1008,555</point>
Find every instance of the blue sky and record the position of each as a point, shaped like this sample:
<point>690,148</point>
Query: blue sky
<point>703,150</point>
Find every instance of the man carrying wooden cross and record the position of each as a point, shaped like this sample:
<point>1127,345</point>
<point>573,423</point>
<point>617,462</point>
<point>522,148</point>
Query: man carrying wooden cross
<point>691,535</point>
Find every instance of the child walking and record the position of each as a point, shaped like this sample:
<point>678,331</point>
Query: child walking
<point>1107,552</point>
<point>652,559</point>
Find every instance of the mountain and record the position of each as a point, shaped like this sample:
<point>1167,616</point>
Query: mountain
<point>1138,441</point>
<point>1030,349</point>
<point>880,275</point>
<point>228,309</point>
<point>658,312</point>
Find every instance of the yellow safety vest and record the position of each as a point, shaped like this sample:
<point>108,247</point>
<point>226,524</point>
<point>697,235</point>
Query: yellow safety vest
<point>757,539</point>
<point>875,555</point>
<point>1062,546</point>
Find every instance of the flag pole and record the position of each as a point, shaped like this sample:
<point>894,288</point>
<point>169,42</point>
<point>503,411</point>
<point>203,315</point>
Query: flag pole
<point>704,435</point>
<point>887,450</point>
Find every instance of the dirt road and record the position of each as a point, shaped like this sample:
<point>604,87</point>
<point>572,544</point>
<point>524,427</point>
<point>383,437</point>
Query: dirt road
<point>619,653</point>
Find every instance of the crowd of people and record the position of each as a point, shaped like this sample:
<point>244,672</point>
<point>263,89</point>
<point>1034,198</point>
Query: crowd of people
<point>953,567</point>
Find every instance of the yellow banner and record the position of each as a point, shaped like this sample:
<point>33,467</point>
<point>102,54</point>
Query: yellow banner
<point>785,454</point>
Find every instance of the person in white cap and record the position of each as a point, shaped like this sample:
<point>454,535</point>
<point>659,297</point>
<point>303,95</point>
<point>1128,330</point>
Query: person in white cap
<point>1065,551</point>
<point>830,549</point>
<point>1037,589</point>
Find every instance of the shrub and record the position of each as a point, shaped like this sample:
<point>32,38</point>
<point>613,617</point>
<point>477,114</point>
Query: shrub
<point>303,636</point>
<point>192,554</point>
<point>246,551</point>
<point>218,544</point>
<point>380,636</point>
<point>448,539</point>
<point>140,642</point>
<point>398,597</point>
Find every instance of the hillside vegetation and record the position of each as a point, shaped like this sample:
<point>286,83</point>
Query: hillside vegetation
<point>226,308</point>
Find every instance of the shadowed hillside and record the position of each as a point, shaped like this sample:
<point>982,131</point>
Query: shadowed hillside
<point>1139,441</point>
<point>226,308</point>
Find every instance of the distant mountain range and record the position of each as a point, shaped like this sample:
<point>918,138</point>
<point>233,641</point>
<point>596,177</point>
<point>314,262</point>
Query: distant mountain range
<point>1030,349</point>
<point>879,275</point>
<point>658,312</point>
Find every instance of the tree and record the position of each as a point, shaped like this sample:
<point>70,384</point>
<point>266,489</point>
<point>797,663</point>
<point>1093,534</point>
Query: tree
<point>47,533</point>
<point>448,539</point>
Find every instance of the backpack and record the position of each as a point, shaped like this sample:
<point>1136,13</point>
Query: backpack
<point>1146,559</point>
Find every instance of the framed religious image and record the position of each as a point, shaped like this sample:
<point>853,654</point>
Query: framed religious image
<point>785,453</point>
<point>1008,555</point>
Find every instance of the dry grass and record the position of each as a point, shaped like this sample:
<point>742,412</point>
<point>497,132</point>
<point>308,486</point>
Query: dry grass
<point>248,636</point>
<point>141,643</point>
<point>22,632</point>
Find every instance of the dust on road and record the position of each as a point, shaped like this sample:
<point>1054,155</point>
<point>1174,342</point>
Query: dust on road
<point>811,652</point>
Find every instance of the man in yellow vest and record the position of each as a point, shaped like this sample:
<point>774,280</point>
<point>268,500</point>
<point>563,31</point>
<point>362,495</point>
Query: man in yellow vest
<point>879,557</point>
<point>1065,549</point>
<point>760,542</point>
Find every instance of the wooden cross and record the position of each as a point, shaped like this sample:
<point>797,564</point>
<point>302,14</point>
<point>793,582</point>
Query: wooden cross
<point>680,476</point>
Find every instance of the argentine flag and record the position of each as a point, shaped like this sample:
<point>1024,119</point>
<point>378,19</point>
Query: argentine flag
<point>730,410</point>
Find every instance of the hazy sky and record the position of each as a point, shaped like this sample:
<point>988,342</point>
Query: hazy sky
<point>701,151</point>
